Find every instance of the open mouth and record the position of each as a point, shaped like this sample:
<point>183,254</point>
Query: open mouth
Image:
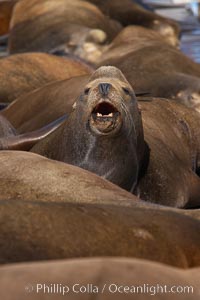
<point>105,117</point>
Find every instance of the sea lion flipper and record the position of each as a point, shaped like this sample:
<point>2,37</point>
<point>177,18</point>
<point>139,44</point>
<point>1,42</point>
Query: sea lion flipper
<point>27,140</point>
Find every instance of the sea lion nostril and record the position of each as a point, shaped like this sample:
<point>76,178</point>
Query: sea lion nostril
<point>104,88</point>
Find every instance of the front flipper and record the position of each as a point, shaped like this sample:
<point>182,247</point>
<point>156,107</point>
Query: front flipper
<point>26,141</point>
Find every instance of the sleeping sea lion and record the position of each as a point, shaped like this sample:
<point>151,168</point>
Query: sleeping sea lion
<point>43,25</point>
<point>36,109</point>
<point>35,177</point>
<point>22,73</point>
<point>151,65</point>
<point>33,231</point>
<point>76,278</point>
<point>129,13</point>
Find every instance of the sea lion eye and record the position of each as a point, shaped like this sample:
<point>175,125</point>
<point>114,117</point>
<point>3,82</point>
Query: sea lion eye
<point>86,91</point>
<point>126,90</point>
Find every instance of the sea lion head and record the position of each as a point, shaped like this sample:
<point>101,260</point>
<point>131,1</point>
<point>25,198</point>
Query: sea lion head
<point>109,102</point>
<point>107,123</point>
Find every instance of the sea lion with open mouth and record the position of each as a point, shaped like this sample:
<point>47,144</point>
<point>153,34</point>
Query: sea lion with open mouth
<point>104,133</point>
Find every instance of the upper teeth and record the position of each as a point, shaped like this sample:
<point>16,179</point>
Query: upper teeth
<point>100,115</point>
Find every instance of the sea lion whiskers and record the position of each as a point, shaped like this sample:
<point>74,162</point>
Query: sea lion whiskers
<point>130,124</point>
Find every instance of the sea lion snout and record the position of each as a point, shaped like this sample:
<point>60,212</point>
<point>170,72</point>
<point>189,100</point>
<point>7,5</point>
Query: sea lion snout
<point>104,88</point>
<point>105,118</point>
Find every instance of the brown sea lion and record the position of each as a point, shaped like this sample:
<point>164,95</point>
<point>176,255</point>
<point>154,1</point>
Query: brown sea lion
<point>22,73</point>
<point>128,13</point>
<point>117,277</point>
<point>50,23</point>
<point>106,119</point>
<point>41,231</point>
<point>34,177</point>
<point>44,105</point>
<point>6,8</point>
<point>156,67</point>
<point>129,39</point>
<point>171,132</point>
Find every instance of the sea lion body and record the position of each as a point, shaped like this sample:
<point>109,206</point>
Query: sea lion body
<point>117,275</point>
<point>35,177</point>
<point>22,73</point>
<point>172,133</point>
<point>153,66</point>
<point>51,23</point>
<point>104,130</point>
<point>33,231</point>
<point>42,106</point>
<point>130,13</point>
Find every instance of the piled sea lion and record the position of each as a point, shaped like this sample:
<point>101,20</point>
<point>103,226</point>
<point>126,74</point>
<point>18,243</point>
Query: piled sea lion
<point>106,120</point>
<point>34,177</point>
<point>127,12</point>
<point>43,25</point>
<point>44,105</point>
<point>22,73</point>
<point>89,128</point>
<point>152,65</point>
<point>33,231</point>
<point>116,277</point>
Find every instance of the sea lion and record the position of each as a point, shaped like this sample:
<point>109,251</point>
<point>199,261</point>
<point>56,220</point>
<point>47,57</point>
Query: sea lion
<point>128,13</point>
<point>44,105</point>
<point>130,39</point>
<point>33,231</point>
<point>118,276</point>
<point>171,133</point>
<point>50,23</point>
<point>34,177</point>
<point>105,114</point>
<point>22,73</point>
<point>156,67</point>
